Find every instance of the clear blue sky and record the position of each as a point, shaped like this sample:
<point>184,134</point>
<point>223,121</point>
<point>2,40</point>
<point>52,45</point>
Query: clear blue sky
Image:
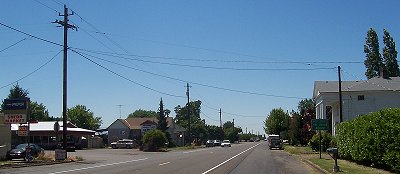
<point>258,47</point>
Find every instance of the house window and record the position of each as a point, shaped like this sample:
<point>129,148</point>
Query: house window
<point>361,97</point>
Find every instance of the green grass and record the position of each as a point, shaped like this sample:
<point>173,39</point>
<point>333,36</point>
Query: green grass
<point>327,162</point>
<point>183,148</point>
<point>298,149</point>
<point>345,166</point>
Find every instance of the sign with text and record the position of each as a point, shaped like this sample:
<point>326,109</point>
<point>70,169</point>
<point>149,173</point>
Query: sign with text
<point>23,131</point>
<point>16,104</point>
<point>319,124</point>
<point>14,118</point>
<point>16,110</point>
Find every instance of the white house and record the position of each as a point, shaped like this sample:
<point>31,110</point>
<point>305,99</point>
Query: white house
<point>359,97</point>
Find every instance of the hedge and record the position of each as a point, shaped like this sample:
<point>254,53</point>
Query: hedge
<point>372,139</point>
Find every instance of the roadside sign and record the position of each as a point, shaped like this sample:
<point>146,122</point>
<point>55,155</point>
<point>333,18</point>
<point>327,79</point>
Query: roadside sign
<point>319,124</point>
<point>60,154</point>
<point>14,118</point>
<point>15,110</point>
<point>15,104</point>
<point>23,131</point>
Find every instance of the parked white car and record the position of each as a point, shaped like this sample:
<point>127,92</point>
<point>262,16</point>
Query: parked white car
<point>226,143</point>
<point>124,143</point>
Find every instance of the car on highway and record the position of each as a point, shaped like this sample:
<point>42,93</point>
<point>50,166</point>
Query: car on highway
<point>124,143</point>
<point>217,142</point>
<point>210,143</point>
<point>20,151</point>
<point>226,143</point>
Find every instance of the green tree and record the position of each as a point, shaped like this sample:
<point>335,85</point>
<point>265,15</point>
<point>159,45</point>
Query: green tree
<point>294,131</point>
<point>162,119</point>
<point>227,125</point>
<point>390,56</point>
<point>214,132</point>
<point>39,112</point>
<point>197,125</point>
<point>277,122</point>
<point>373,61</point>
<point>16,92</point>
<point>154,139</point>
<point>143,114</point>
<point>232,133</point>
<point>305,105</point>
<point>83,117</point>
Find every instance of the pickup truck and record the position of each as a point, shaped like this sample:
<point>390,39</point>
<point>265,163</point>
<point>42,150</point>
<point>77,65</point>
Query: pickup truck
<point>274,142</point>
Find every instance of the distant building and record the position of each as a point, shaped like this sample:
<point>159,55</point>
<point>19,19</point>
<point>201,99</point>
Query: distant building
<point>359,97</point>
<point>134,128</point>
<point>43,134</point>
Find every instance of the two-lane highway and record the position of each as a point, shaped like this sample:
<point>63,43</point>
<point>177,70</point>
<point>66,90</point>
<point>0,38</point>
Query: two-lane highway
<point>240,158</point>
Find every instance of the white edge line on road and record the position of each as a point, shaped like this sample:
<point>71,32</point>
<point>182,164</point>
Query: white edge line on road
<point>229,159</point>
<point>164,163</point>
<point>104,165</point>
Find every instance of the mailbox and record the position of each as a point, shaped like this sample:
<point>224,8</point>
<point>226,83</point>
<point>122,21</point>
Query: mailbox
<point>333,152</point>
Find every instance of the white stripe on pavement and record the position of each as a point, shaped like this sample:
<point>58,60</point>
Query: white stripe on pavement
<point>164,163</point>
<point>104,165</point>
<point>229,159</point>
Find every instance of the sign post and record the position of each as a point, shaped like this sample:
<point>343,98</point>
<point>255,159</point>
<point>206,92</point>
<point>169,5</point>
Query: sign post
<point>318,125</point>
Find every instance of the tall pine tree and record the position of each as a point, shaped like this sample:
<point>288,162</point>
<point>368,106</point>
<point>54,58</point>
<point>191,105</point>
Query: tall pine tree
<point>373,61</point>
<point>162,119</point>
<point>390,56</point>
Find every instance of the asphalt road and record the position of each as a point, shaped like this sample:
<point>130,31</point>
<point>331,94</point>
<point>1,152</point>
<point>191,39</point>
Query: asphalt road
<point>246,158</point>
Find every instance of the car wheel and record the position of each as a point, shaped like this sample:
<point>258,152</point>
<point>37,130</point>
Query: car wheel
<point>113,146</point>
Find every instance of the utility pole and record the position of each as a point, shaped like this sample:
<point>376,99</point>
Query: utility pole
<point>188,115</point>
<point>340,97</point>
<point>233,123</point>
<point>66,26</point>
<point>220,118</point>
<point>120,110</point>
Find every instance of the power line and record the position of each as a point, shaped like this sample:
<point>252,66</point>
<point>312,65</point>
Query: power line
<point>105,36</point>
<point>32,71</point>
<point>217,60</point>
<point>213,67</point>
<point>46,6</point>
<point>123,77</point>
<point>200,84</point>
<point>30,35</point>
<point>13,44</point>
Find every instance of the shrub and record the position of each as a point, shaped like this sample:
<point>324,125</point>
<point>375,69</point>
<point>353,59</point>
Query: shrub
<point>372,139</point>
<point>326,141</point>
<point>154,139</point>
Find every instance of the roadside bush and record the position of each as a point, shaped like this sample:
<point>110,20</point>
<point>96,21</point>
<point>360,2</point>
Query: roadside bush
<point>153,140</point>
<point>326,141</point>
<point>372,139</point>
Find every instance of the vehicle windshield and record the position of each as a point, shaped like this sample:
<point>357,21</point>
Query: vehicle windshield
<point>226,141</point>
<point>21,146</point>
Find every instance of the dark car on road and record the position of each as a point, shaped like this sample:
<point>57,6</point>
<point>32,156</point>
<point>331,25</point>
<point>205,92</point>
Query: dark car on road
<point>210,143</point>
<point>20,151</point>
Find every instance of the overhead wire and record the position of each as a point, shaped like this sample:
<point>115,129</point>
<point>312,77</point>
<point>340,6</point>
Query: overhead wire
<point>47,6</point>
<point>13,44</point>
<point>191,82</point>
<point>30,35</point>
<point>123,77</point>
<point>210,67</point>
<point>31,73</point>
